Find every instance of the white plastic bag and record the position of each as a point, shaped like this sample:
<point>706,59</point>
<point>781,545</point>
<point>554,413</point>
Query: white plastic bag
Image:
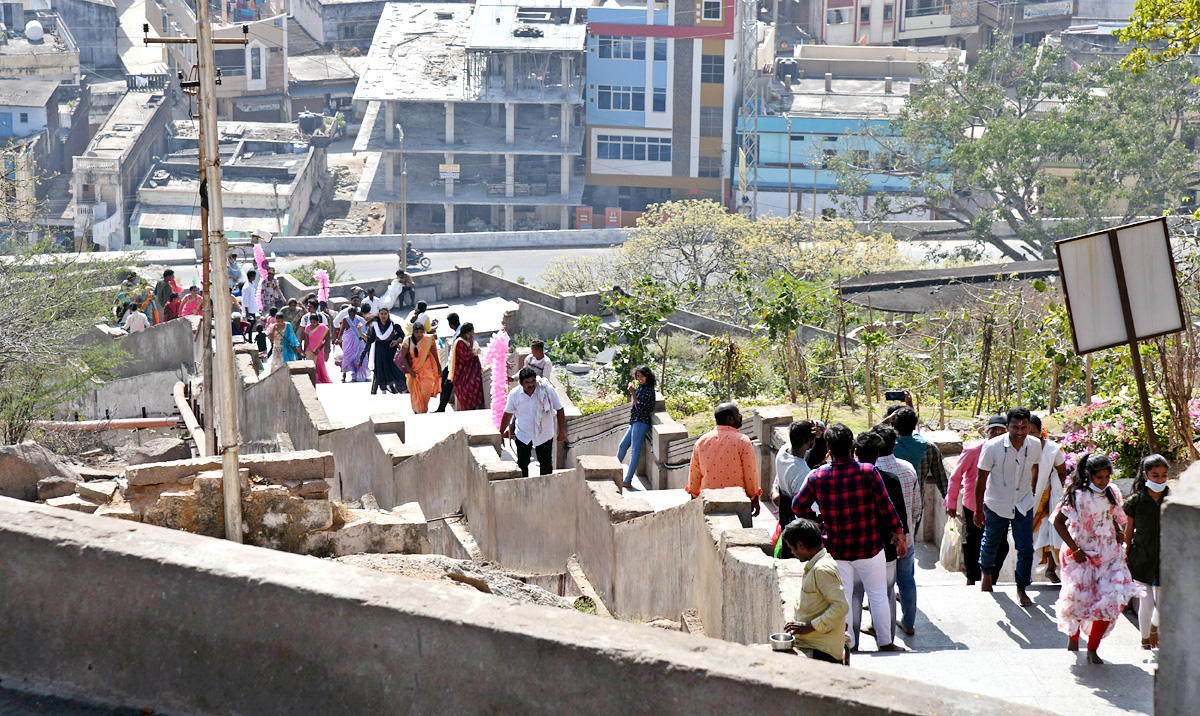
<point>951,546</point>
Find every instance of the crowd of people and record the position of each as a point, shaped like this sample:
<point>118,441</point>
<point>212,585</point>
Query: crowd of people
<point>849,507</point>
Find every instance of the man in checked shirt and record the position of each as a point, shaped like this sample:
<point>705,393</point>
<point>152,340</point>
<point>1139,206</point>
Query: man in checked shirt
<point>856,509</point>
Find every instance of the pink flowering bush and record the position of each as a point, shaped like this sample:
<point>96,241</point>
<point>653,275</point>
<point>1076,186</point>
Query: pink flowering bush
<point>1113,426</point>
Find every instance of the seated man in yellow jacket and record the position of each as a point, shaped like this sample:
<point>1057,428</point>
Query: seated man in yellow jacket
<point>821,608</point>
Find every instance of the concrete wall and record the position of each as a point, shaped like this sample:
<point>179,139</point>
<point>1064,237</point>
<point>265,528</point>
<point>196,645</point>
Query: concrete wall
<point>1176,686</point>
<point>467,241</point>
<point>149,625</point>
<point>147,395</point>
<point>159,348</point>
<point>541,321</point>
<point>93,24</point>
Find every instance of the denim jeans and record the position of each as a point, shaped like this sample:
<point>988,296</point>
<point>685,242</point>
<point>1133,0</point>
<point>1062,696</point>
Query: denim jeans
<point>635,437</point>
<point>995,531</point>
<point>906,585</point>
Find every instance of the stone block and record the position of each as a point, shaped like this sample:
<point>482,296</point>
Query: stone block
<point>314,489</point>
<point>315,515</point>
<point>154,451</point>
<point>402,531</point>
<point>56,486</point>
<point>22,466</point>
<point>73,502</point>
<point>184,510</point>
<point>602,467</point>
<point>947,441</point>
<point>753,537</point>
<point>729,499</point>
<point>100,491</point>
<point>120,511</point>
<point>482,434</point>
<point>607,496</point>
<point>691,622</point>
<point>392,423</point>
<point>300,465</point>
<point>493,466</point>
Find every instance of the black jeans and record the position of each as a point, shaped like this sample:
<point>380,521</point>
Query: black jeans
<point>545,456</point>
<point>971,545</point>
<point>412,297</point>
<point>447,391</point>
<point>819,655</point>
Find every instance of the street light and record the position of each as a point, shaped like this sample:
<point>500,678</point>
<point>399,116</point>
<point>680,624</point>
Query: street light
<point>403,204</point>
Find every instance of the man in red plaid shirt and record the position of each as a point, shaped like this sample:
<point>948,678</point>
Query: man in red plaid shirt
<point>855,507</point>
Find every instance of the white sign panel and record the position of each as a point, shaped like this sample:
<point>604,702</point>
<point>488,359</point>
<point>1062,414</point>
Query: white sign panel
<point>1092,285</point>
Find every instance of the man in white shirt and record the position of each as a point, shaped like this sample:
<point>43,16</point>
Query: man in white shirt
<point>538,409</point>
<point>1008,472</point>
<point>313,315</point>
<point>250,307</point>
<point>538,361</point>
<point>135,321</point>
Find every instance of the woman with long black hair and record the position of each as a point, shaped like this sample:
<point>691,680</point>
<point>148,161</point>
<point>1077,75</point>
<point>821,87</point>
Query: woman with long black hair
<point>1096,584</point>
<point>641,414</point>
<point>385,335</point>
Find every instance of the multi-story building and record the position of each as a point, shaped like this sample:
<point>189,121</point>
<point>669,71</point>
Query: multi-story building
<point>104,178</point>
<point>662,96</point>
<point>269,175</point>
<point>254,78</point>
<point>30,149</point>
<point>966,24</point>
<point>842,105</point>
<point>37,45</point>
<point>481,106</point>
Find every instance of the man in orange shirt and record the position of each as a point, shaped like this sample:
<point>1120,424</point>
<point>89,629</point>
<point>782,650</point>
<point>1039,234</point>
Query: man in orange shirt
<point>724,457</point>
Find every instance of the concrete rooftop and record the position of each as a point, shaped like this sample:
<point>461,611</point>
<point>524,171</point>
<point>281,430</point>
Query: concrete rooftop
<point>562,26</point>
<point>26,92</point>
<point>125,123</point>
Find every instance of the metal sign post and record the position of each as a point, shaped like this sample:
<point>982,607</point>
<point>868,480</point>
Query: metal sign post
<point>1127,271</point>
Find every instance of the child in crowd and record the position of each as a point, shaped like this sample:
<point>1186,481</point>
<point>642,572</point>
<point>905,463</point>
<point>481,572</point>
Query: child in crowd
<point>1096,583</point>
<point>1141,534</point>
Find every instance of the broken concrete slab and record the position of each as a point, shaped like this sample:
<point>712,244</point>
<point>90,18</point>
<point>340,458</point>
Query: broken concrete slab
<point>163,449</point>
<point>56,486</point>
<point>314,489</point>
<point>100,491</point>
<point>300,465</point>
<point>121,511</point>
<point>73,502</point>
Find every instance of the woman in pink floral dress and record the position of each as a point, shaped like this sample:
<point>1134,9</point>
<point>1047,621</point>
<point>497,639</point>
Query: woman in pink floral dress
<point>1096,583</point>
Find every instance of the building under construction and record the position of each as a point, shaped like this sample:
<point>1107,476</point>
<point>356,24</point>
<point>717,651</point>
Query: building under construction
<point>482,106</point>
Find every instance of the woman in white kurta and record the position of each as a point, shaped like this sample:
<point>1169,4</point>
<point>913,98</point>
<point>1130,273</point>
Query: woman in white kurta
<point>1052,474</point>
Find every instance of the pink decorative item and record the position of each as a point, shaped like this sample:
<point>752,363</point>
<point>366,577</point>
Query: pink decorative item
<point>260,260</point>
<point>496,356</point>
<point>322,277</point>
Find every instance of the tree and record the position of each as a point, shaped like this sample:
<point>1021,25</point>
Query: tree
<point>577,274</point>
<point>1029,140</point>
<point>1160,31</point>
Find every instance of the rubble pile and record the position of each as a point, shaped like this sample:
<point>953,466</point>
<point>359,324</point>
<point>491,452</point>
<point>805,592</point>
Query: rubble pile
<point>285,505</point>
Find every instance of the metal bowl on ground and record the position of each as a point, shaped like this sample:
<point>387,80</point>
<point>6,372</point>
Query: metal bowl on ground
<point>782,641</point>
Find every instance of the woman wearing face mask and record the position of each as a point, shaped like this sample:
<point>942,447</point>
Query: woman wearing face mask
<point>1096,583</point>
<point>1141,534</point>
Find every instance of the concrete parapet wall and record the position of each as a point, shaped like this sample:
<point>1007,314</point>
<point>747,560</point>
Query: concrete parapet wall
<point>149,624</point>
<point>466,241</point>
<point>158,348</point>
<point>1176,686</point>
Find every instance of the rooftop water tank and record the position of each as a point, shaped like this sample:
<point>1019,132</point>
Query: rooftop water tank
<point>33,31</point>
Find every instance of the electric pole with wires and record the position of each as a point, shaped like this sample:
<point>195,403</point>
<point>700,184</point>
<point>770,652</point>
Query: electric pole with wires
<point>221,380</point>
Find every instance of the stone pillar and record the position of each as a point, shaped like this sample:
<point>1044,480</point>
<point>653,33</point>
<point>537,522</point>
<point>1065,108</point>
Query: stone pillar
<point>449,182</point>
<point>765,422</point>
<point>564,223</point>
<point>389,122</point>
<point>494,218</point>
<point>389,170</point>
<point>450,123</point>
<point>565,177</point>
<point>510,174</point>
<point>508,217</point>
<point>495,114</point>
<point>663,432</point>
<point>1176,688</point>
<point>564,124</point>
<point>466,285</point>
<point>389,218</point>
<point>510,123</point>
<point>566,74</point>
<point>449,218</point>
<point>508,73</point>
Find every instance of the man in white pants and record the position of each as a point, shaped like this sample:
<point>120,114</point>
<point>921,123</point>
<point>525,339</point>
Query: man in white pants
<point>855,507</point>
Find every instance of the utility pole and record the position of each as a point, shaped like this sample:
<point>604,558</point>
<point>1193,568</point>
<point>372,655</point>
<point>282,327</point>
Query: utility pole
<point>217,249</point>
<point>404,204</point>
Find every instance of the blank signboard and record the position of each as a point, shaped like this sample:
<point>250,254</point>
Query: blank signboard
<point>1090,282</point>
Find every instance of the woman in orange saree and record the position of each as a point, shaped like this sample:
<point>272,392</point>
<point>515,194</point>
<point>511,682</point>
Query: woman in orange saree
<point>418,358</point>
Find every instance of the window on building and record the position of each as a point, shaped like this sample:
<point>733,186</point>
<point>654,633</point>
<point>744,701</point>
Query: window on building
<point>256,63</point>
<point>660,49</point>
<point>24,118</point>
<point>864,13</point>
<point>660,99</point>
<point>888,12</point>
<point>712,68</point>
<point>621,48</point>
<point>836,17</point>
<point>827,157</point>
<point>797,137</point>
<point>710,9</point>
<point>232,63</point>
<point>615,146</point>
<point>621,97</point>
<point>862,158</point>
<point>710,167</point>
<point>830,138</point>
<point>712,122</point>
